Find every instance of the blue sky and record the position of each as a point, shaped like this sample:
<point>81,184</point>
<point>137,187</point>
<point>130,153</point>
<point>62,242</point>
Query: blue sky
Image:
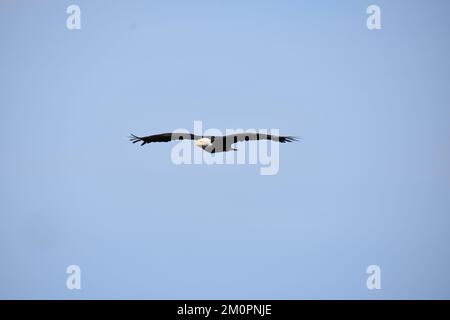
<point>369,184</point>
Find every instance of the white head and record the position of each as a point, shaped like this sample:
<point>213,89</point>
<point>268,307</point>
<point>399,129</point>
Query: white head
<point>203,142</point>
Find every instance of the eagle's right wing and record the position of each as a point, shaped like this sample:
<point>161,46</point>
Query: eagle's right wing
<point>164,137</point>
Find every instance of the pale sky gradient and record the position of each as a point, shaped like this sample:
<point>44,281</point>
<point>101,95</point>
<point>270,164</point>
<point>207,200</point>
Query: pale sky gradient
<point>369,184</point>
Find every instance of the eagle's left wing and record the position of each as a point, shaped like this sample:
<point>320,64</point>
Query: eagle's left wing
<point>233,138</point>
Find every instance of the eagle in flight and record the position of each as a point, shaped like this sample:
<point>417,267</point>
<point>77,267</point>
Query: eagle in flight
<point>211,144</point>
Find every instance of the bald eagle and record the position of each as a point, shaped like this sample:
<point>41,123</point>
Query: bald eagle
<point>211,144</point>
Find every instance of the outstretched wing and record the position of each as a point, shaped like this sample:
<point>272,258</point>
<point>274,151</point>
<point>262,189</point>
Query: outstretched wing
<point>233,138</point>
<point>164,137</point>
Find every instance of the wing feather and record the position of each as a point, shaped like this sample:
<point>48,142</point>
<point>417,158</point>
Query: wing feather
<point>233,138</point>
<point>163,137</point>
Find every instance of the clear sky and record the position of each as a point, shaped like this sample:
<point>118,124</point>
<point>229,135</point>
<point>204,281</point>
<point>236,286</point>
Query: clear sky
<point>369,183</point>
